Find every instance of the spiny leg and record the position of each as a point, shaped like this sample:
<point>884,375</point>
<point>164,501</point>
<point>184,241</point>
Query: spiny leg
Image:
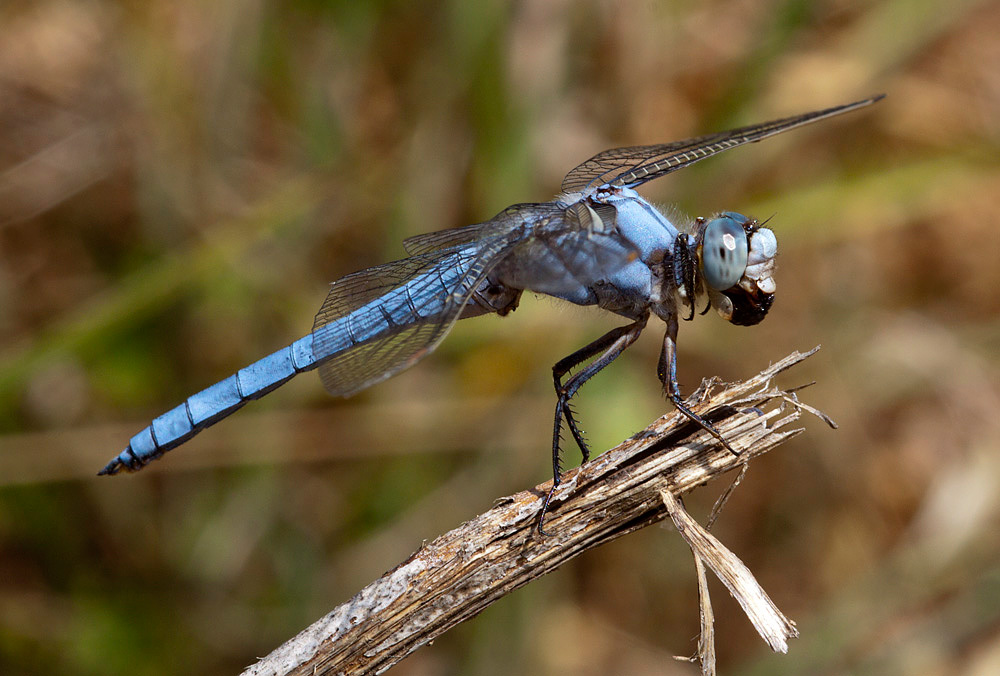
<point>567,364</point>
<point>667,371</point>
<point>607,348</point>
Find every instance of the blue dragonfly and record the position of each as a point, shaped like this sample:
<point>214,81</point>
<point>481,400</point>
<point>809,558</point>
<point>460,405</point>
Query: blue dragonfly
<point>598,243</point>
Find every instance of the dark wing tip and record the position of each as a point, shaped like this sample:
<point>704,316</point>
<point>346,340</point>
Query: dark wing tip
<point>874,98</point>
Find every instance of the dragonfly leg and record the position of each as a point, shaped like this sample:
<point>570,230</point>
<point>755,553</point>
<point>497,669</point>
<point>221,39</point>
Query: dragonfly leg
<point>667,371</point>
<point>567,364</point>
<point>606,349</point>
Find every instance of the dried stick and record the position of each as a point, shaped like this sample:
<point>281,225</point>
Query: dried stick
<point>460,573</point>
<point>770,623</point>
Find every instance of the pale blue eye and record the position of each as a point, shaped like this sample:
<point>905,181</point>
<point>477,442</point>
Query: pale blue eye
<point>723,252</point>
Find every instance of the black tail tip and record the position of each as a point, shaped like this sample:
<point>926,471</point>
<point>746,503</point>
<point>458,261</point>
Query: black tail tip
<point>111,468</point>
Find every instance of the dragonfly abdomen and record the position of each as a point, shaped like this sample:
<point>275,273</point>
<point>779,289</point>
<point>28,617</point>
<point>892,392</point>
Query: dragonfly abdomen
<point>420,300</point>
<point>212,404</point>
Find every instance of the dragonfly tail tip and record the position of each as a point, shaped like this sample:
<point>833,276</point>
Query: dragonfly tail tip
<point>111,468</point>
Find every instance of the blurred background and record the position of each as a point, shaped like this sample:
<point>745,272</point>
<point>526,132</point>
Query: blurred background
<point>179,181</point>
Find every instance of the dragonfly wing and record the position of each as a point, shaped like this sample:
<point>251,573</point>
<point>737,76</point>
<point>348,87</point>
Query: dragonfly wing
<point>354,369</point>
<point>380,321</point>
<point>511,218</point>
<point>633,166</point>
<point>588,243</point>
<point>569,251</point>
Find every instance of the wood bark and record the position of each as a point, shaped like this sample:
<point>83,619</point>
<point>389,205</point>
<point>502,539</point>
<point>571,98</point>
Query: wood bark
<point>457,575</point>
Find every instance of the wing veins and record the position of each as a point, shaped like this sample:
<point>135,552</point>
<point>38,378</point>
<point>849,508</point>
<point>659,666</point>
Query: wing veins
<point>632,166</point>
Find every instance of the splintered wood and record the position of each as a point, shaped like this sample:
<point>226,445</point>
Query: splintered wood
<point>631,486</point>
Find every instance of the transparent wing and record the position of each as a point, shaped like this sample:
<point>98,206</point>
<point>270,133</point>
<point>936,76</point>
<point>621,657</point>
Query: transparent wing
<point>633,166</point>
<point>436,283</point>
<point>517,215</point>
<point>568,252</point>
<point>580,240</point>
<point>399,343</point>
<point>445,239</point>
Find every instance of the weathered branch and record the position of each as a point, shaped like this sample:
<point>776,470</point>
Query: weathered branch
<point>770,623</point>
<point>459,574</point>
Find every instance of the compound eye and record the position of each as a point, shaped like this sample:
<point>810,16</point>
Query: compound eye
<point>723,253</point>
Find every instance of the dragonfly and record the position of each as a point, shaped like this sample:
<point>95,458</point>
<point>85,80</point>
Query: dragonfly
<point>598,243</point>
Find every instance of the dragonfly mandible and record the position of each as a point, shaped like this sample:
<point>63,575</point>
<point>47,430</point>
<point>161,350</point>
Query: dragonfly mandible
<point>598,243</point>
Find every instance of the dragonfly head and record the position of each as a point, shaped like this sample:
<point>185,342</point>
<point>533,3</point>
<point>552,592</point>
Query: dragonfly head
<point>736,260</point>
